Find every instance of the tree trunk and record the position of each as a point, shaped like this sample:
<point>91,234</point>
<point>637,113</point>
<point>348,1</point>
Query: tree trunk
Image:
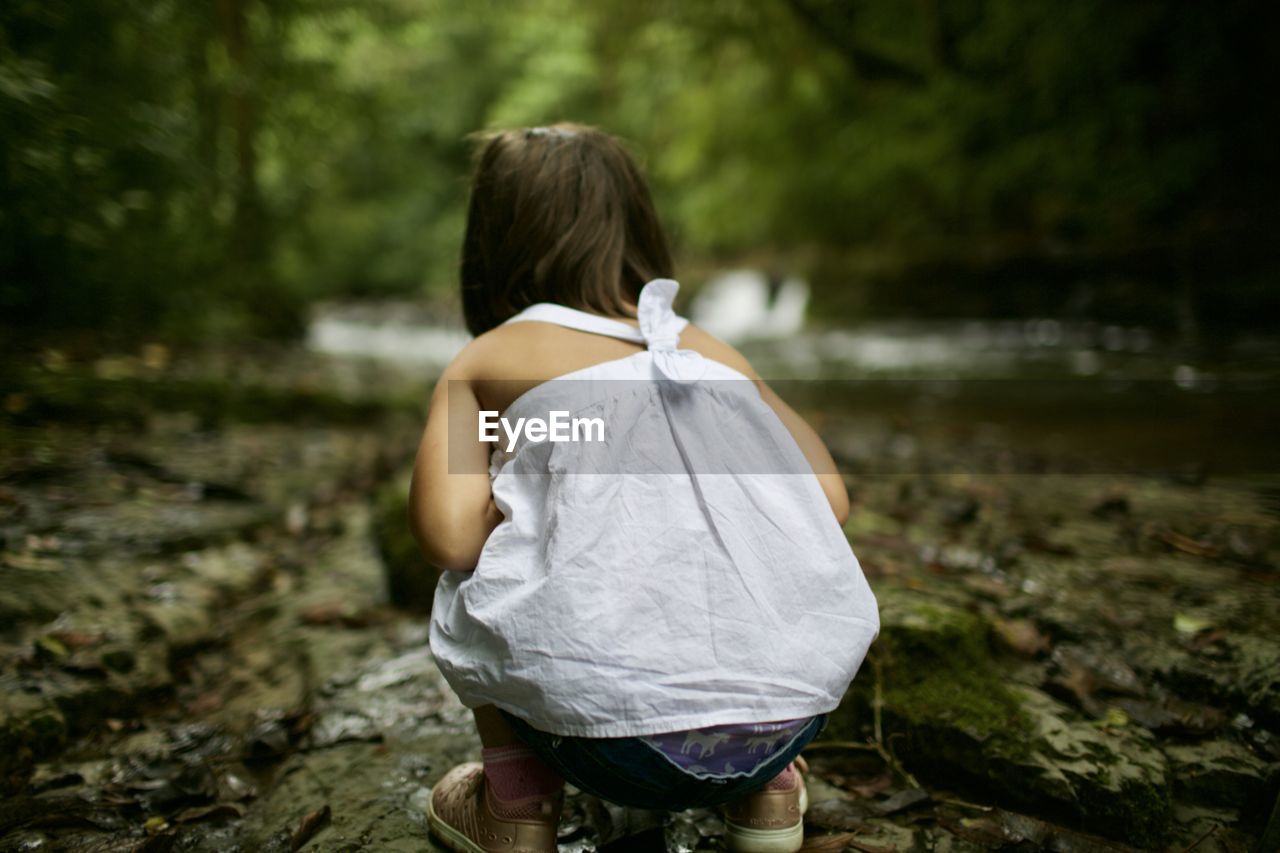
<point>248,237</point>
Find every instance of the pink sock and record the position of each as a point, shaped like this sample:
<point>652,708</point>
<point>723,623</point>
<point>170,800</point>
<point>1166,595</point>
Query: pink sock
<point>783,781</point>
<point>516,773</point>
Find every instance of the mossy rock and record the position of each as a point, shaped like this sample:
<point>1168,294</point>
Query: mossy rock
<point>936,670</point>
<point>955,722</point>
<point>1223,773</point>
<point>411,582</point>
<point>31,727</point>
<point>1115,780</point>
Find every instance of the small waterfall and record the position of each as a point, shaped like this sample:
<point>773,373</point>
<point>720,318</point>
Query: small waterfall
<point>748,304</point>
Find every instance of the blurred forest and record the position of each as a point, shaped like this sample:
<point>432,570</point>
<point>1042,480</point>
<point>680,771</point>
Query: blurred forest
<point>1040,244</point>
<point>200,172</point>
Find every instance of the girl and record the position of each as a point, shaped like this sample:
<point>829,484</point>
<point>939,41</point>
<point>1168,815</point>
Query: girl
<point>663,614</point>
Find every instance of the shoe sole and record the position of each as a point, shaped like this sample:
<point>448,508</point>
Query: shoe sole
<point>744,839</point>
<point>449,836</point>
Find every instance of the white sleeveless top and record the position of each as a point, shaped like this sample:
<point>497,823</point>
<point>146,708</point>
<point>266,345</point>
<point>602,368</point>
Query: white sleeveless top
<point>686,572</point>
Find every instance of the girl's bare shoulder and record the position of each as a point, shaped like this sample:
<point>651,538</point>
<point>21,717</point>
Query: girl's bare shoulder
<point>537,350</point>
<point>533,350</point>
<point>489,352</point>
<point>708,345</point>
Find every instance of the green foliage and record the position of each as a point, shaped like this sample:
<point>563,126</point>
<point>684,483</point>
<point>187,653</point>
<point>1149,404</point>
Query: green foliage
<point>205,170</point>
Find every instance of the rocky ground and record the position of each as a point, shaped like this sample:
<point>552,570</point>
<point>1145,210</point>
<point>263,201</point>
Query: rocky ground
<point>199,649</point>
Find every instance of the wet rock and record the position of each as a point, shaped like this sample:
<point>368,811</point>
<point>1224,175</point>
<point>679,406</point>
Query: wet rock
<point>32,593</point>
<point>1213,830</point>
<point>369,789</point>
<point>1112,778</point>
<point>346,573</point>
<point>31,727</point>
<point>1172,716</point>
<point>183,622</point>
<point>960,510</point>
<point>1238,671</point>
<point>883,834</point>
<point>1222,773</point>
<point>410,580</point>
<point>233,570</point>
<point>269,738</point>
<point>838,814</point>
<point>1001,829</point>
<point>147,526</point>
<point>1088,677</point>
<point>684,831</point>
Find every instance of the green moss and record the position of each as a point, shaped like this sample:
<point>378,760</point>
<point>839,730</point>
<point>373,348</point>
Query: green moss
<point>935,668</point>
<point>968,699</point>
<point>944,704</point>
<point>937,675</point>
<point>411,582</point>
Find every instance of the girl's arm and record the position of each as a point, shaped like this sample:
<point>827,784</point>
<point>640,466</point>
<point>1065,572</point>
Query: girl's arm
<point>824,467</point>
<point>452,514</point>
<point>814,450</point>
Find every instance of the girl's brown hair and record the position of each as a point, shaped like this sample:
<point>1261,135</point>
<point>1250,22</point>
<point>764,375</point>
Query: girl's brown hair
<point>557,214</point>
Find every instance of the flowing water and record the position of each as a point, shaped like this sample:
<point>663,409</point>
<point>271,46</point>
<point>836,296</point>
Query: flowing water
<point>1126,396</point>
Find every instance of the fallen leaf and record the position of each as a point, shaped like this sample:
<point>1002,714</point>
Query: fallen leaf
<point>75,640</point>
<point>1088,670</point>
<point>868,848</point>
<point>986,585</point>
<point>1004,829</point>
<point>839,814</point>
<point>30,562</point>
<point>309,825</point>
<point>1078,681</point>
<point>876,785</point>
<point>52,646</point>
<point>1021,636</point>
<point>901,801</point>
<point>195,814</point>
<point>1187,545</point>
<point>1188,625</point>
<point>835,843</point>
<point>1174,716</point>
<point>339,612</point>
<point>1114,718</point>
<point>1205,638</point>
<point>208,701</point>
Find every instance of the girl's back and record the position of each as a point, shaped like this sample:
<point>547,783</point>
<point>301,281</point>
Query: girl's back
<point>513,358</point>
<point>669,576</point>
